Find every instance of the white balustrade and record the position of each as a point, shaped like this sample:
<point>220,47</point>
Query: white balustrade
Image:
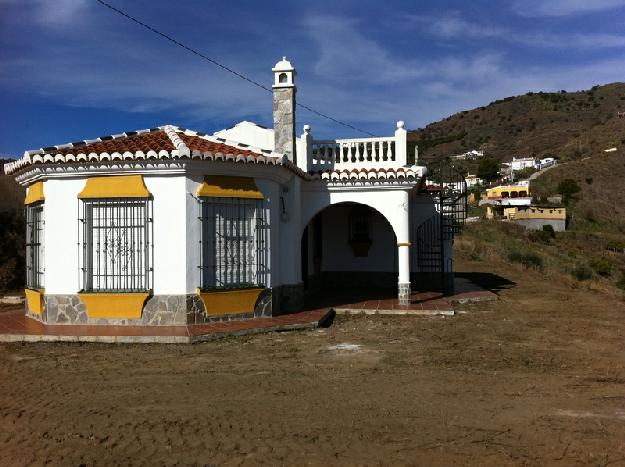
<point>337,154</point>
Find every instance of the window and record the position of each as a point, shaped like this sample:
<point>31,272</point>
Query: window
<point>234,243</point>
<point>34,246</point>
<point>116,246</point>
<point>358,235</point>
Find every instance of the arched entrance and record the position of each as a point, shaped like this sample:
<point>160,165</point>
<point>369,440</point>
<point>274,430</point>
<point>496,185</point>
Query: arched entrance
<point>348,252</point>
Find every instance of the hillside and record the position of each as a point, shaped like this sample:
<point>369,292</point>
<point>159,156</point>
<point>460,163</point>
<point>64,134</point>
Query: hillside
<point>570,125</point>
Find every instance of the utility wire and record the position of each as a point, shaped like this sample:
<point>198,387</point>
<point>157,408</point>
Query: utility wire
<point>220,65</point>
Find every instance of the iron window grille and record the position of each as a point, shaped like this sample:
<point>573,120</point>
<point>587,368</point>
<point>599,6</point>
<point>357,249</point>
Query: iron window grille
<point>34,246</point>
<point>115,244</point>
<point>233,243</point>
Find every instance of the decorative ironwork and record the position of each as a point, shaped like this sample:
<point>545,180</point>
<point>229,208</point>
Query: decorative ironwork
<point>34,246</point>
<point>116,244</point>
<point>234,243</point>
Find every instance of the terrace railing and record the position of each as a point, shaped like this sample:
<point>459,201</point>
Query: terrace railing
<point>360,153</point>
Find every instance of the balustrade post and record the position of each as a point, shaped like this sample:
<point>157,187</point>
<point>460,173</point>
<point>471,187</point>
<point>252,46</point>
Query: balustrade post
<point>304,159</point>
<point>401,145</point>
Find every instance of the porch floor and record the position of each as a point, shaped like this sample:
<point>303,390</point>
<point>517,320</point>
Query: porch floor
<point>384,301</point>
<point>15,326</point>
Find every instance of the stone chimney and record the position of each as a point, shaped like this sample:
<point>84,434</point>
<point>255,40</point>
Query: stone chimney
<point>284,108</point>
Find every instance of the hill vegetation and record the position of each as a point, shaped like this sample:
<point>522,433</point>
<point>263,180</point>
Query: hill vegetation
<point>570,125</point>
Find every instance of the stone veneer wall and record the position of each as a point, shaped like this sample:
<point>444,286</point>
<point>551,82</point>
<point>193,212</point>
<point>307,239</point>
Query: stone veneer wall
<point>158,310</point>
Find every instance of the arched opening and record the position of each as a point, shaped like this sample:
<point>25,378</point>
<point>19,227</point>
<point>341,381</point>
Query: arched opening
<point>349,254</point>
<point>283,78</point>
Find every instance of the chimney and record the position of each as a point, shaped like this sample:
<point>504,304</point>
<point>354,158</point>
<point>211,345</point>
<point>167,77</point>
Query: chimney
<point>284,108</point>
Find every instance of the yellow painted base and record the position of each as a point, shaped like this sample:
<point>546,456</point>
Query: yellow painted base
<point>34,298</point>
<point>114,305</point>
<point>229,302</point>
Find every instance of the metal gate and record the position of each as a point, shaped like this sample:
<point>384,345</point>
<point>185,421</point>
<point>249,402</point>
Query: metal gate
<point>448,189</point>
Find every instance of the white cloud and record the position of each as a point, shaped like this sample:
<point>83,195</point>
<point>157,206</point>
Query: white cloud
<point>562,7</point>
<point>346,73</point>
<point>345,54</point>
<point>453,27</point>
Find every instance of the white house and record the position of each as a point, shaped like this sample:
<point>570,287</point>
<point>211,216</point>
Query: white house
<point>520,163</point>
<point>473,180</point>
<point>469,155</point>
<point>173,226</point>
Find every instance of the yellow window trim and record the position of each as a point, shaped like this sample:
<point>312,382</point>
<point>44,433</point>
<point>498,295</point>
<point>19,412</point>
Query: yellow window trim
<point>221,186</point>
<point>115,186</point>
<point>35,193</point>
<point>114,305</point>
<point>34,299</point>
<point>230,302</point>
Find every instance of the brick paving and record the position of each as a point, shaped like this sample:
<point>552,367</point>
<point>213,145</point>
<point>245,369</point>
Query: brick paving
<point>381,302</point>
<point>319,308</point>
<point>16,327</point>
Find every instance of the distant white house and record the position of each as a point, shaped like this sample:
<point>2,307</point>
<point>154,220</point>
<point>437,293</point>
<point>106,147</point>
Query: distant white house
<point>520,163</point>
<point>473,180</point>
<point>546,162</point>
<point>469,155</point>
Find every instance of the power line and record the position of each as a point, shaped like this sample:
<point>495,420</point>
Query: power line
<point>220,65</point>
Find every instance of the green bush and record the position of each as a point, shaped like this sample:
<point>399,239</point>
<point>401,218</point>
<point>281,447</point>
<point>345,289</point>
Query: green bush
<point>617,246</point>
<point>582,272</point>
<point>529,259</point>
<point>601,266</point>
<point>568,188</point>
<point>540,236</point>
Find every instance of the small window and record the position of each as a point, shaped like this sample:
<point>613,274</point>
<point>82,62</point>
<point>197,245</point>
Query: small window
<point>116,244</point>
<point>359,231</point>
<point>34,246</point>
<point>234,243</point>
<point>283,78</point>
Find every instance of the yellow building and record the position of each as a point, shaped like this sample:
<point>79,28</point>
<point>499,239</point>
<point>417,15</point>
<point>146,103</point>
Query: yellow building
<point>534,212</point>
<point>507,191</point>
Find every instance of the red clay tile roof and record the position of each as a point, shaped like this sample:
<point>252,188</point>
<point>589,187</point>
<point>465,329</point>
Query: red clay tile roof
<point>195,143</point>
<point>149,141</point>
<point>166,142</point>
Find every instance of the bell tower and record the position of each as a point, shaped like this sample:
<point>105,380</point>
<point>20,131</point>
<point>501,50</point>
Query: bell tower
<point>284,108</point>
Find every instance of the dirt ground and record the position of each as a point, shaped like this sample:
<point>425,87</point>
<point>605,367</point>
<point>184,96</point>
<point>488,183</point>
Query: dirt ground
<point>537,378</point>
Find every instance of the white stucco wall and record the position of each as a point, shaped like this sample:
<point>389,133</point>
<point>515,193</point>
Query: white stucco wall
<point>338,254</point>
<point>169,240</point>
<point>193,234</point>
<point>391,203</point>
<point>62,275</point>
<point>251,134</point>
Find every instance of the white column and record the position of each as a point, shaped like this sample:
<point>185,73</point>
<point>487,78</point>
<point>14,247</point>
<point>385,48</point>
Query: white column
<point>403,250</point>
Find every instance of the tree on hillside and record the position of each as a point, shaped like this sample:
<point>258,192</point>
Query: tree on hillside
<point>568,188</point>
<point>488,169</point>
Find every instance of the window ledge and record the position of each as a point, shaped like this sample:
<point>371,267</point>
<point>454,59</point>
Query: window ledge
<point>34,298</point>
<point>114,305</point>
<point>229,301</point>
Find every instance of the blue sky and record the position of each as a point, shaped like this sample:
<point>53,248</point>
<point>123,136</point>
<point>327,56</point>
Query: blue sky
<point>72,70</point>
